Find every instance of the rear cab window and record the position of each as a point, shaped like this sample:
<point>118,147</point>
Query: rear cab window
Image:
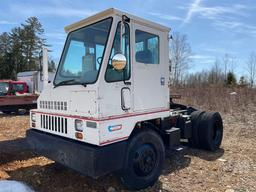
<point>146,47</point>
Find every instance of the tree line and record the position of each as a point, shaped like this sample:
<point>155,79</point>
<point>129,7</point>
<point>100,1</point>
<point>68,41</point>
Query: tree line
<point>222,72</point>
<point>20,49</point>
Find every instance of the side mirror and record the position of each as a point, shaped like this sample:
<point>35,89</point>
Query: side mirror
<point>119,62</point>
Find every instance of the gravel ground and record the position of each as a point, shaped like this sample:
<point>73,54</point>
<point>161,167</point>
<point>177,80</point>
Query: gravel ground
<point>231,168</point>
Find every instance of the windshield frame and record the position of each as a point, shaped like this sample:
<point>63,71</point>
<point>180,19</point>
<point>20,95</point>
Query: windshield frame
<point>67,44</point>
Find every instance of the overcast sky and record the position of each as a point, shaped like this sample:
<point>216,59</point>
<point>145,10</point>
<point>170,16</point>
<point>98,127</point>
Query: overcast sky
<point>213,27</point>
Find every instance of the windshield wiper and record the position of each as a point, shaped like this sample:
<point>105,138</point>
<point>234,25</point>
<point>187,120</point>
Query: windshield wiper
<point>64,82</point>
<point>69,81</point>
<point>84,84</point>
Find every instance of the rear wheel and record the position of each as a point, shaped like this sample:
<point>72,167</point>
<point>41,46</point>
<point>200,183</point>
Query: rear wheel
<point>195,119</point>
<point>144,160</point>
<point>207,129</point>
<point>211,131</point>
<point>7,112</point>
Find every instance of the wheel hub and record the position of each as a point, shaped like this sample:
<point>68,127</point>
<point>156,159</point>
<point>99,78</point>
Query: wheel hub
<point>144,160</point>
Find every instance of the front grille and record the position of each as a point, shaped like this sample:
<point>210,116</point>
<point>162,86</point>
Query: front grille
<point>55,105</point>
<point>54,123</point>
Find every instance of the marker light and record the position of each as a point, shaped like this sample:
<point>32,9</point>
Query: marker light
<point>33,117</point>
<point>79,135</point>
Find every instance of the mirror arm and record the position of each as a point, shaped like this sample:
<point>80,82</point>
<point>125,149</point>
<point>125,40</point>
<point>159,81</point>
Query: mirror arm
<point>125,19</point>
<point>125,82</point>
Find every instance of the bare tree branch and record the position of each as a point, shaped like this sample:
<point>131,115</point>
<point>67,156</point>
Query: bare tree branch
<point>180,53</point>
<point>251,68</point>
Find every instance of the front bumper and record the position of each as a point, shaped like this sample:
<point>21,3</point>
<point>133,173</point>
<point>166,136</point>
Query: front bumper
<point>90,160</point>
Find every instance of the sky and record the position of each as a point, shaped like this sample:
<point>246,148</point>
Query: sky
<point>213,28</point>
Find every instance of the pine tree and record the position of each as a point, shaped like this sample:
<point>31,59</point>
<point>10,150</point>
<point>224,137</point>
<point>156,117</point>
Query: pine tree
<point>33,42</point>
<point>19,49</point>
<point>231,79</point>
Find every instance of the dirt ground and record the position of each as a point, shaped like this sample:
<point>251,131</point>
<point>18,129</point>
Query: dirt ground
<point>231,168</point>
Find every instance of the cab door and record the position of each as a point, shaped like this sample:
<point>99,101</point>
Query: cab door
<point>149,71</point>
<point>116,92</point>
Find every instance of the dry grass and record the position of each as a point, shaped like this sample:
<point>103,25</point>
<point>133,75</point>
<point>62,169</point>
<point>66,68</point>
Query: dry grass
<point>227,100</point>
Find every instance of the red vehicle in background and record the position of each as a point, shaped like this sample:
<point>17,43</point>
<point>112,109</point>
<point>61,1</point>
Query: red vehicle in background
<point>15,97</point>
<point>20,96</point>
<point>9,87</point>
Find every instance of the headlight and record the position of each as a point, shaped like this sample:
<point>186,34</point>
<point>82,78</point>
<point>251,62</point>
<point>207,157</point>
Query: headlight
<point>33,117</point>
<point>79,125</point>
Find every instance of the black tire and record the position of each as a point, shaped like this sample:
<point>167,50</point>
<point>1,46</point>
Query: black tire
<point>210,131</point>
<point>144,160</point>
<point>22,111</point>
<point>7,112</point>
<point>207,130</point>
<point>195,119</point>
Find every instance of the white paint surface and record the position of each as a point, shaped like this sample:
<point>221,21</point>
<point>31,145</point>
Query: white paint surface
<point>13,186</point>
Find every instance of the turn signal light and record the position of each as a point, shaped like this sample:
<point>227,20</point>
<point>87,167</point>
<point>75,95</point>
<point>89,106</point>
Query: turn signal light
<point>79,135</point>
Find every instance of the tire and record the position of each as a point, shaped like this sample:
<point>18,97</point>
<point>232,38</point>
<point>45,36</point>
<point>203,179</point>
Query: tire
<point>195,119</point>
<point>207,130</point>
<point>22,111</point>
<point>7,112</point>
<point>144,160</point>
<point>210,131</point>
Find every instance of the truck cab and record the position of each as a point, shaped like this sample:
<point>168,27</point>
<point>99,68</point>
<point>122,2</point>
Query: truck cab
<point>9,87</point>
<point>87,85</point>
<point>108,108</point>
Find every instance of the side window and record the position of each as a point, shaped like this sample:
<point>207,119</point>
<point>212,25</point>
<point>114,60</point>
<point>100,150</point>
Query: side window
<point>111,74</point>
<point>146,47</point>
<point>18,87</point>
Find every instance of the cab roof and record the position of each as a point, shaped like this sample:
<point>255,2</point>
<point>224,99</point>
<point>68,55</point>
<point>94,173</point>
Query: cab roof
<point>112,12</point>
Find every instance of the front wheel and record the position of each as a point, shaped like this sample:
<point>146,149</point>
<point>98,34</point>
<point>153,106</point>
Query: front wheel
<point>144,160</point>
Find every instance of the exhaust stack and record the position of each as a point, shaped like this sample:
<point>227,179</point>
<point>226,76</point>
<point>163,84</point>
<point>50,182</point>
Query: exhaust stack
<point>45,66</point>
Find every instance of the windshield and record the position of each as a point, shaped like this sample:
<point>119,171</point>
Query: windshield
<point>83,54</point>
<point>4,87</point>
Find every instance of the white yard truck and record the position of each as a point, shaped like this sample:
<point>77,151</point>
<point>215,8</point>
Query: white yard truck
<point>108,108</point>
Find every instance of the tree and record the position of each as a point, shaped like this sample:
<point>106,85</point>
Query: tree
<point>4,44</point>
<point>51,66</point>
<point>5,69</point>
<point>19,49</point>
<point>251,68</point>
<point>215,75</point>
<point>225,60</point>
<point>17,56</point>
<point>231,78</point>
<point>229,63</point>
<point>180,53</point>
<point>32,42</point>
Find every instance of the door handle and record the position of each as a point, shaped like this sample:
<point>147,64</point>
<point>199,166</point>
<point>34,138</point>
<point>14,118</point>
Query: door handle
<point>125,99</point>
